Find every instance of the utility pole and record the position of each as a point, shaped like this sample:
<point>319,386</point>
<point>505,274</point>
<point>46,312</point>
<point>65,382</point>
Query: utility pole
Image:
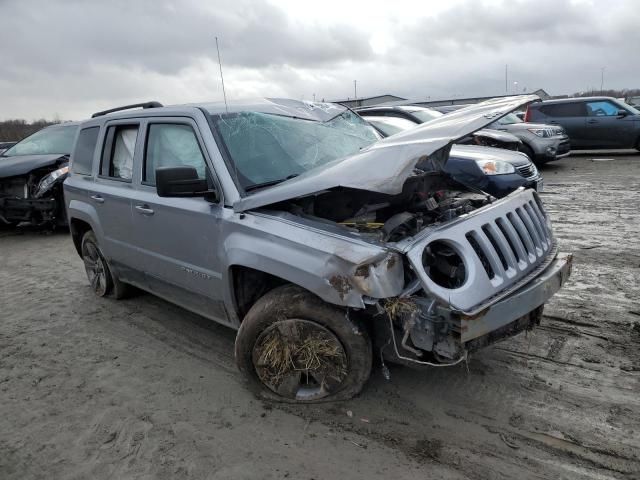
<point>602,80</point>
<point>506,79</point>
<point>224,94</point>
<point>355,91</point>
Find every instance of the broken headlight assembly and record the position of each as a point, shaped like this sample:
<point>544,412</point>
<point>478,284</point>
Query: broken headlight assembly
<point>495,167</point>
<point>51,179</point>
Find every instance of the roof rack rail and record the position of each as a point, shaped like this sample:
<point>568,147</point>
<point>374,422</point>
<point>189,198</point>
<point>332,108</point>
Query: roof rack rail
<point>127,107</point>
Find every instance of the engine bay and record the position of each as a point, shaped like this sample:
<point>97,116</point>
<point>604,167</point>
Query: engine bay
<point>427,199</point>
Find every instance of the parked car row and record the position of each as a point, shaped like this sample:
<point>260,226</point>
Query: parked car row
<point>494,170</point>
<point>541,143</point>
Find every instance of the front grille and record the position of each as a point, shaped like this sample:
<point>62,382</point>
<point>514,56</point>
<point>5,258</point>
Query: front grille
<point>15,187</point>
<point>501,245</point>
<point>527,171</point>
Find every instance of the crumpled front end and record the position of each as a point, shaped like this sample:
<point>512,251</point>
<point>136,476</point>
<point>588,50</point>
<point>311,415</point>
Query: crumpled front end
<point>35,198</point>
<point>480,278</point>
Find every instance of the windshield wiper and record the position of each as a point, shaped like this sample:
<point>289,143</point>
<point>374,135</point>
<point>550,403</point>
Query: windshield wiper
<point>256,186</point>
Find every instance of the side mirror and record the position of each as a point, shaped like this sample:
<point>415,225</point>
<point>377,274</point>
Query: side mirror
<point>622,113</point>
<point>180,181</point>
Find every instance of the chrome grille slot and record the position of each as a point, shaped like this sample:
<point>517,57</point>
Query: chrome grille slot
<point>500,250</point>
<point>500,245</point>
<point>526,170</point>
<point>486,256</point>
<point>528,224</point>
<point>525,238</point>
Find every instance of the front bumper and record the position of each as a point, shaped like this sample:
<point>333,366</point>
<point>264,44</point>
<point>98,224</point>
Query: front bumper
<point>33,210</point>
<point>548,149</point>
<point>520,303</point>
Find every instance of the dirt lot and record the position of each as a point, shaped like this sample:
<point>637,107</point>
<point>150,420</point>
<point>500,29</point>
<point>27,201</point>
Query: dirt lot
<point>142,389</point>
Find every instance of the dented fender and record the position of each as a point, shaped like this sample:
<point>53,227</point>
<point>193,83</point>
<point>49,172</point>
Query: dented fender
<point>339,270</point>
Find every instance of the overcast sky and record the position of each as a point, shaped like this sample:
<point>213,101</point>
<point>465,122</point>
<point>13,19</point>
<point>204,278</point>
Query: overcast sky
<point>67,59</point>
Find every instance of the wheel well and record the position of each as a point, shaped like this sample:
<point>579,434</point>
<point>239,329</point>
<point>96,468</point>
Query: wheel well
<point>78,228</point>
<point>249,285</point>
<point>527,150</point>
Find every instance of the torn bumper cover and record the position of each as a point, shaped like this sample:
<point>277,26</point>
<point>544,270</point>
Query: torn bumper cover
<point>34,210</point>
<point>451,334</point>
<point>520,303</point>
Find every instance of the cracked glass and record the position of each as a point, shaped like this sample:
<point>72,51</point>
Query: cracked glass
<point>265,149</point>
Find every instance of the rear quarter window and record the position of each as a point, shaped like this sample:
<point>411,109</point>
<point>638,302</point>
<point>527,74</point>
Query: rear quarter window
<point>82,161</point>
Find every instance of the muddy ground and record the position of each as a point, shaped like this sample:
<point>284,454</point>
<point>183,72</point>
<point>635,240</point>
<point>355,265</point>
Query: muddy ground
<point>97,389</point>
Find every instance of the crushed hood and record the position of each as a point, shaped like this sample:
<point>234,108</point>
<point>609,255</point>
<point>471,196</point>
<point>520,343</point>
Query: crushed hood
<point>23,164</point>
<point>385,165</point>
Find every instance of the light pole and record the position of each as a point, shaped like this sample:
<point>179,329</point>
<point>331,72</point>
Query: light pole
<point>602,80</point>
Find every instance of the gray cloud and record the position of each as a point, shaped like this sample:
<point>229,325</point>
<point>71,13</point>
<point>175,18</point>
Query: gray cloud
<point>74,57</point>
<point>166,36</point>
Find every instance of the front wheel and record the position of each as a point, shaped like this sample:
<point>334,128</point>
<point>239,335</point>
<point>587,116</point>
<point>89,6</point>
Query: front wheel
<point>295,348</point>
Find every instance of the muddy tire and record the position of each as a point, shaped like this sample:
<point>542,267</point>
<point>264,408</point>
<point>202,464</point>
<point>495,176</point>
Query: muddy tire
<point>101,280</point>
<point>293,347</point>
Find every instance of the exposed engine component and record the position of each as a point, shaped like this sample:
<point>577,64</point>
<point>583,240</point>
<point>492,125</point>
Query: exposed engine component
<point>427,199</point>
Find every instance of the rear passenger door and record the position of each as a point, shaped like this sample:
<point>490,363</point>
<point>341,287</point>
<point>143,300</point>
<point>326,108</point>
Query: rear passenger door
<point>178,238</point>
<point>110,194</point>
<point>571,116</point>
<point>606,128</point>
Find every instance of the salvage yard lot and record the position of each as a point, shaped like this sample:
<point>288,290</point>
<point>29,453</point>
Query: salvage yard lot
<point>93,388</point>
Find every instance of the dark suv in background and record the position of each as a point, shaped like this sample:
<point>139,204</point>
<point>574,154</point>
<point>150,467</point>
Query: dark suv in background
<point>591,122</point>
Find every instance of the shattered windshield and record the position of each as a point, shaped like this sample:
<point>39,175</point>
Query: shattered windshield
<point>265,149</point>
<point>51,140</point>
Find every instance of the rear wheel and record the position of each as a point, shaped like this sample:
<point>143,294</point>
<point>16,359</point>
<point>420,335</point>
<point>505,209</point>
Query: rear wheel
<point>101,280</point>
<point>295,348</point>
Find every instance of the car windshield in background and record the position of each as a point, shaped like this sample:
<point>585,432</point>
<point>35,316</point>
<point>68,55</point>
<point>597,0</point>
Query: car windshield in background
<point>426,115</point>
<point>509,119</point>
<point>391,125</point>
<point>266,149</point>
<point>48,141</point>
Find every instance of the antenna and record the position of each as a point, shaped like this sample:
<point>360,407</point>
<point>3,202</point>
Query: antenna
<point>224,94</point>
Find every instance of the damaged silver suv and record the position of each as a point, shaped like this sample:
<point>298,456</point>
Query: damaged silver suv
<point>293,223</point>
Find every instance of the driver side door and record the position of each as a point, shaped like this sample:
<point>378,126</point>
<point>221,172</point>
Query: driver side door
<point>178,238</point>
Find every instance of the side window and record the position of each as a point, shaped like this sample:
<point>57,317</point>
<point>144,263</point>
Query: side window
<point>571,109</point>
<point>84,151</point>
<point>171,144</point>
<point>601,109</point>
<point>117,157</point>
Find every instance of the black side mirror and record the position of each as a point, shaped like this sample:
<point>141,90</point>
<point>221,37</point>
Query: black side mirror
<point>180,181</point>
<point>622,113</point>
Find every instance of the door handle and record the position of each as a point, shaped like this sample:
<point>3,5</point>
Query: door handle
<point>553,122</point>
<point>592,121</point>
<point>144,209</point>
<point>97,198</point>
